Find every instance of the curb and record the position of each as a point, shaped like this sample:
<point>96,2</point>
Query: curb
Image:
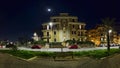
<point>31,58</point>
<point>25,59</point>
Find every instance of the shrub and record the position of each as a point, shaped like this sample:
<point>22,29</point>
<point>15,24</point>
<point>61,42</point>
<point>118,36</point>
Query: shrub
<point>55,43</point>
<point>85,44</point>
<point>14,48</point>
<point>70,41</point>
<point>29,54</point>
<point>40,42</point>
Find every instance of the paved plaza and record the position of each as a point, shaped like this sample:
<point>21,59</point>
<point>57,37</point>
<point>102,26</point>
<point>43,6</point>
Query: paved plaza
<point>8,61</point>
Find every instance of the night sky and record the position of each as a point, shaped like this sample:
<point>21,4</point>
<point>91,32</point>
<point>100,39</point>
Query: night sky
<point>23,17</point>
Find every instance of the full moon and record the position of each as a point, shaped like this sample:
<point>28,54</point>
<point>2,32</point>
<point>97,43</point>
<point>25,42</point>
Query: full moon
<point>48,9</point>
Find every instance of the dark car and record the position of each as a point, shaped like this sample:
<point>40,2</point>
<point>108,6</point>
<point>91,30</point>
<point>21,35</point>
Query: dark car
<point>73,47</point>
<point>36,47</point>
<point>10,45</point>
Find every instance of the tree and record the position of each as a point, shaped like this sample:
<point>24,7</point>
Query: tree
<point>23,40</point>
<point>107,22</point>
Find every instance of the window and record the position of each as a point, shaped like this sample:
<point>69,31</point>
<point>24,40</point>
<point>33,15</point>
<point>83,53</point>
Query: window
<point>73,26</point>
<point>82,34</point>
<point>55,26</point>
<point>101,34</point>
<point>47,33</point>
<point>72,32</point>
<point>47,27</point>
<point>47,40</point>
<point>73,20</point>
<point>54,32</point>
<point>63,31</point>
<point>79,26</point>
<point>54,20</point>
<point>101,39</point>
<point>82,26</point>
<point>73,39</point>
<point>78,33</point>
<point>55,40</point>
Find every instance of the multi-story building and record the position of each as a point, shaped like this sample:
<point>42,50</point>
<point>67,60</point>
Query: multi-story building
<point>119,39</point>
<point>63,27</point>
<point>98,35</point>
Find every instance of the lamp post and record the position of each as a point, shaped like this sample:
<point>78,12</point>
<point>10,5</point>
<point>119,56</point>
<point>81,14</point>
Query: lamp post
<point>108,40</point>
<point>51,24</point>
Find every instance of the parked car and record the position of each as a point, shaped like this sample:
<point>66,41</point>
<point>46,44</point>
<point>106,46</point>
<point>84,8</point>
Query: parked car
<point>36,47</point>
<point>9,45</point>
<point>73,47</point>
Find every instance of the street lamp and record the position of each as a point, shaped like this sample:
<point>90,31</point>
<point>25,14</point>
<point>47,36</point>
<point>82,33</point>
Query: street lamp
<point>110,31</point>
<point>108,39</point>
<point>51,24</point>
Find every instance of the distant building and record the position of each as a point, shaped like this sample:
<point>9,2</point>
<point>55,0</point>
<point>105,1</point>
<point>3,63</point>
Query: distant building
<point>63,27</point>
<point>35,37</point>
<point>119,39</point>
<point>98,35</point>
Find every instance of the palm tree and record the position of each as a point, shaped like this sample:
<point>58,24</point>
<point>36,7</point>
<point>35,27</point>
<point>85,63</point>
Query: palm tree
<point>107,22</point>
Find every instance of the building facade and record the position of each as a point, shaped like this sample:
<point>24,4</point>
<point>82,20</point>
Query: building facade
<point>98,35</point>
<point>63,27</point>
<point>119,39</point>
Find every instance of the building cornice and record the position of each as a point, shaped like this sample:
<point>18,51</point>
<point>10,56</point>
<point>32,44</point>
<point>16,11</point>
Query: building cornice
<point>47,23</point>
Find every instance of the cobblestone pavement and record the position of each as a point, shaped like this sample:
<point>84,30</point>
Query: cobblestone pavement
<point>8,61</point>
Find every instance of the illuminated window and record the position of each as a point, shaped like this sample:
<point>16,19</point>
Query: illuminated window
<point>47,27</point>
<point>101,39</point>
<point>79,26</point>
<point>63,28</point>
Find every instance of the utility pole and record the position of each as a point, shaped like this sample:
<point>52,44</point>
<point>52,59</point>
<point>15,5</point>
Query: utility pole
<point>108,42</point>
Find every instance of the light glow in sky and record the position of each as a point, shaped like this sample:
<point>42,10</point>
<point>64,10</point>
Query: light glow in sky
<point>48,9</point>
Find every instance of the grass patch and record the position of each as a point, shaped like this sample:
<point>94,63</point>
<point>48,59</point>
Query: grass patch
<point>29,54</point>
<point>97,53</point>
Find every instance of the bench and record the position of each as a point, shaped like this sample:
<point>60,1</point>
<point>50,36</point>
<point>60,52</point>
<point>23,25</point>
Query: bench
<point>62,55</point>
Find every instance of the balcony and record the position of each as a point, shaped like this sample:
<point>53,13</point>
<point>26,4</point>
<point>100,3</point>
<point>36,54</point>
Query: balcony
<point>46,37</point>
